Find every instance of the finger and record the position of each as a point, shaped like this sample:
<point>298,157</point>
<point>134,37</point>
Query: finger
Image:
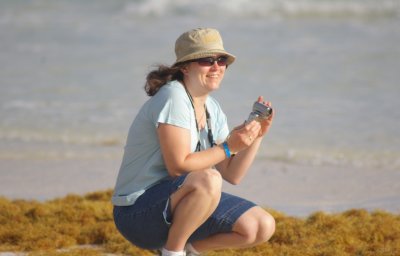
<point>248,125</point>
<point>250,137</point>
<point>254,125</point>
<point>260,99</point>
<point>254,130</point>
<point>254,133</point>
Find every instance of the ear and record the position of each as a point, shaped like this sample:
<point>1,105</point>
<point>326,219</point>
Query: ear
<point>185,70</point>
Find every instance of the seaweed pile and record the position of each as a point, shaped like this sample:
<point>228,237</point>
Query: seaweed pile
<point>83,225</point>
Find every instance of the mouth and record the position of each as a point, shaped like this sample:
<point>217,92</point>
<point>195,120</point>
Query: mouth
<point>213,76</point>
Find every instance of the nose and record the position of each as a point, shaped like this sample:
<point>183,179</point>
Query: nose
<point>214,65</point>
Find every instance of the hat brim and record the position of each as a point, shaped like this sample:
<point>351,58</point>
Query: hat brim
<point>208,53</point>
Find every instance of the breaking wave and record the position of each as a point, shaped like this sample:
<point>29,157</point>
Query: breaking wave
<point>265,8</point>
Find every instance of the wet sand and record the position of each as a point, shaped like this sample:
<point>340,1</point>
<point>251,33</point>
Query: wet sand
<point>300,190</point>
<point>296,190</point>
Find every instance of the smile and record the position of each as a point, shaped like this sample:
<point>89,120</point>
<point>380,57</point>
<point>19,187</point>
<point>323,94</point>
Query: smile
<point>213,76</point>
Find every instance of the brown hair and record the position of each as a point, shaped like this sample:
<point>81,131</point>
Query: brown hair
<point>162,75</point>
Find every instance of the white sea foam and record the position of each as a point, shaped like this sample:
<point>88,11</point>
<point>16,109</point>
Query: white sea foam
<point>265,8</point>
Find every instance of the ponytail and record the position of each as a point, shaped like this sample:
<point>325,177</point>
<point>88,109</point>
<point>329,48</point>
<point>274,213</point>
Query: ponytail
<point>162,75</point>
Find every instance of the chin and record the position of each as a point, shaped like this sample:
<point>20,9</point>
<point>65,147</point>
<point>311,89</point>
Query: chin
<point>214,87</point>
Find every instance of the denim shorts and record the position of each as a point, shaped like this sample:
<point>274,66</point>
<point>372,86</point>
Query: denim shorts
<point>146,223</point>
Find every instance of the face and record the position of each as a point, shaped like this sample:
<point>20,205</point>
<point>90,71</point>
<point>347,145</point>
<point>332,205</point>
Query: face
<point>203,78</point>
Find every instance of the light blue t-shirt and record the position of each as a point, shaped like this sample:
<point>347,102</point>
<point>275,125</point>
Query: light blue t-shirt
<point>143,165</point>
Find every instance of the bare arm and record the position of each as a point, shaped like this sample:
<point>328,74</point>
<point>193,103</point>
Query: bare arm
<point>175,147</point>
<point>235,168</point>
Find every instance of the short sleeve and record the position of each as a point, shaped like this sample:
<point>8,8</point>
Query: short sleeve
<point>171,106</point>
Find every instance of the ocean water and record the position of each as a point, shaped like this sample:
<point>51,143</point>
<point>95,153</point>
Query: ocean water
<point>72,74</point>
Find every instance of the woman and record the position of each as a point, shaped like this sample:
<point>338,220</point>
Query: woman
<point>179,149</point>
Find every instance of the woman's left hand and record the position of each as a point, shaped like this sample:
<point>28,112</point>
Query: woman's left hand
<point>265,123</point>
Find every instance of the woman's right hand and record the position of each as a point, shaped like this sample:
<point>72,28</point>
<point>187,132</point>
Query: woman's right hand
<point>243,136</point>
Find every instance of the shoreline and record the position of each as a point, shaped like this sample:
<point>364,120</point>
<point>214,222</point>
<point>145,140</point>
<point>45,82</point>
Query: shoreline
<point>294,189</point>
<point>299,190</point>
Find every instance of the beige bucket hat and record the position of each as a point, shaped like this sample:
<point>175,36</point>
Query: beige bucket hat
<point>200,43</point>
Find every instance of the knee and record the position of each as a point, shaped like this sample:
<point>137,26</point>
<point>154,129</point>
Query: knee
<point>209,181</point>
<point>266,228</point>
<point>258,229</point>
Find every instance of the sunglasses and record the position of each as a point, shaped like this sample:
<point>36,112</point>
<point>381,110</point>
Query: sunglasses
<point>209,61</point>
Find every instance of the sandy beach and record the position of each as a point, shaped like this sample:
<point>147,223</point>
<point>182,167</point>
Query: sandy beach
<point>292,189</point>
<point>300,190</point>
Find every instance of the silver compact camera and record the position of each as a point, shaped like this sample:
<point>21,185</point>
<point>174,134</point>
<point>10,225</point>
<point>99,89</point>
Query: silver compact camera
<point>260,111</point>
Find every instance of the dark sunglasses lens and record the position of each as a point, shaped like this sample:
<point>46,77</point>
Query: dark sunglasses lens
<point>221,61</point>
<point>208,62</point>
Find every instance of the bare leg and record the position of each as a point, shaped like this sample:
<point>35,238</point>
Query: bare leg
<point>192,204</point>
<point>255,226</point>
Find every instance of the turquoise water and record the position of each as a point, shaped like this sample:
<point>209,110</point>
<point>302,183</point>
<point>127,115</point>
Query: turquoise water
<point>72,74</point>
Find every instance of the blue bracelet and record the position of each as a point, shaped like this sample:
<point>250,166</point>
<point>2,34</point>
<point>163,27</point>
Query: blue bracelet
<point>226,149</point>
